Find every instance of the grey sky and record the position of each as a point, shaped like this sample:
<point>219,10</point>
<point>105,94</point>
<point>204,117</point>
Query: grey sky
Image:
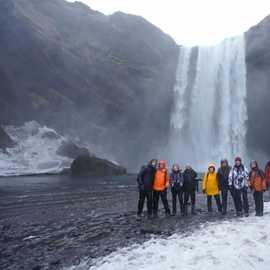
<point>192,22</point>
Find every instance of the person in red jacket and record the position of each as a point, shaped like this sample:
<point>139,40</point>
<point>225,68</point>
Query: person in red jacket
<point>257,185</point>
<point>267,176</point>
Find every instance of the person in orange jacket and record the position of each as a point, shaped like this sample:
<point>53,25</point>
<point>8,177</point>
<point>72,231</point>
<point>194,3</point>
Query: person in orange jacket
<point>161,183</point>
<point>210,187</point>
<point>258,185</point>
<point>267,176</point>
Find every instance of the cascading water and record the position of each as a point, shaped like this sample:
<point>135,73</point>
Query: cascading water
<point>210,114</point>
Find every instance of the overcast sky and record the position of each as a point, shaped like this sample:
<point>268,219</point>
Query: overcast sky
<point>192,22</point>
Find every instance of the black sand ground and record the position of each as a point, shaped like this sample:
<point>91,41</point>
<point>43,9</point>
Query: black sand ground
<point>52,222</point>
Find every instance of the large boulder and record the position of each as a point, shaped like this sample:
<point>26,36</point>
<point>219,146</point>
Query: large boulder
<point>72,150</point>
<point>5,140</point>
<point>93,166</point>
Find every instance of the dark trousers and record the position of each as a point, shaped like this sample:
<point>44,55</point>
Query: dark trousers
<point>163,195</point>
<point>192,195</point>
<point>224,197</point>
<point>241,200</point>
<point>209,202</point>
<point>148,195</point>
<point>177,193</point>
<point>258,198</point>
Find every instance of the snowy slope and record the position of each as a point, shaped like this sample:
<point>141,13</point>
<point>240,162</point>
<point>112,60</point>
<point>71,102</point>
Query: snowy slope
<point>238,244</point>
<point>35,152</point>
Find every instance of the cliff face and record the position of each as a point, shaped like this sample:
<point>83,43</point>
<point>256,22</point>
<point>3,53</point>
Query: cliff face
<point>105,79</point>
<point>258,86</point>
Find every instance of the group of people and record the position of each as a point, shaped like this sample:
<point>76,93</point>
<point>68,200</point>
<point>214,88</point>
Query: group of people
<point>154,180</point>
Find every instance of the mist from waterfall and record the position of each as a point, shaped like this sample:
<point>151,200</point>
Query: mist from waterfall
<point>210,112</point>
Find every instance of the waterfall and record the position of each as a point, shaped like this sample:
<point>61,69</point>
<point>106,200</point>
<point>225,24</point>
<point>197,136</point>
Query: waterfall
<point>210,114</point>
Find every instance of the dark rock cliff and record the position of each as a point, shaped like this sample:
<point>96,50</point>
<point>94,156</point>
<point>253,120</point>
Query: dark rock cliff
<point>105,79</point>
<point>258,86</point>
<point>5,140</point>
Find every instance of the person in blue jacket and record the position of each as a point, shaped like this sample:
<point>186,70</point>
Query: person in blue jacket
<point>176,183</point>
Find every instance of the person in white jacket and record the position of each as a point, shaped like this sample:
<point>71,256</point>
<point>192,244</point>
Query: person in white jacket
<point>238,184</point>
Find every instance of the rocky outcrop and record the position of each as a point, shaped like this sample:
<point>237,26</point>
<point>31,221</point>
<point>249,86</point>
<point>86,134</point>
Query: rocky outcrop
<point>5,140</point>
<point>105,79</point>
<point>258,86</point>
<point>93,166</point>
<point>71,150</point>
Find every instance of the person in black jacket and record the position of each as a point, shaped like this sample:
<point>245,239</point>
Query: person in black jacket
<point>223,178</point>
<point>176,183</point>
<point>189,187</point>
<point>145,181</point>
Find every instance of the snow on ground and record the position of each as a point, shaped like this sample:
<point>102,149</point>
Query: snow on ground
<point>234,244</point>
<point>35,152</point>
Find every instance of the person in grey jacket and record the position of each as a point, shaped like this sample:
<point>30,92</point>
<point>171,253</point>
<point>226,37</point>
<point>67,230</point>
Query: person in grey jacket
<point>238,184</point>
<point>176,183</point>
<point>223,179</point>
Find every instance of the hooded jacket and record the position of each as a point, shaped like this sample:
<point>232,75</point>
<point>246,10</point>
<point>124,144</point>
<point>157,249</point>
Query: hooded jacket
<point>238,177</point>
<point>161,181</point>
<point>267,172</point>
<point>176,180</point>
<point>257,180</point>
<point>189,180</point>
<point>223,177</point>
<point>210,182</point>
<point>146,177</point>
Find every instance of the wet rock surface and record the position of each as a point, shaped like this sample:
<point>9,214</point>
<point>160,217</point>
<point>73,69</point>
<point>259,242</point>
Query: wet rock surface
<point>5,140</point>
<point>91,165</point>
<point>71,150</point>
<point>52,222</point>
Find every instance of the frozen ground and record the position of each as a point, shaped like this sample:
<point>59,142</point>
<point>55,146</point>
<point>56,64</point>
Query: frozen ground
<point>231,244</point>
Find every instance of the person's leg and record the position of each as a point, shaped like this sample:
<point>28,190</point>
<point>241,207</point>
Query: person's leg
<point>193,201</point>
<point>209,203</point>
<point>218,202</point>
<point>149,198</point>
<point>141,202</point>
<point>186,198</point>
<point>260,203</point>
<point>181,201</point>
<point>256,203</point>
<point>233,194</point>
<point>155,202</point>
<point>224,194</point>
<point>245,201</point>
<point>238,202</point>
<point>174,194</point>
<point>163,195</point>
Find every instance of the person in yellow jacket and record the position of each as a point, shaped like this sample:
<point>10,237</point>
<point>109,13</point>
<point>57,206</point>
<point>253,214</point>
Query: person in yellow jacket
<point>210,187</point>
<point>161,183</point>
